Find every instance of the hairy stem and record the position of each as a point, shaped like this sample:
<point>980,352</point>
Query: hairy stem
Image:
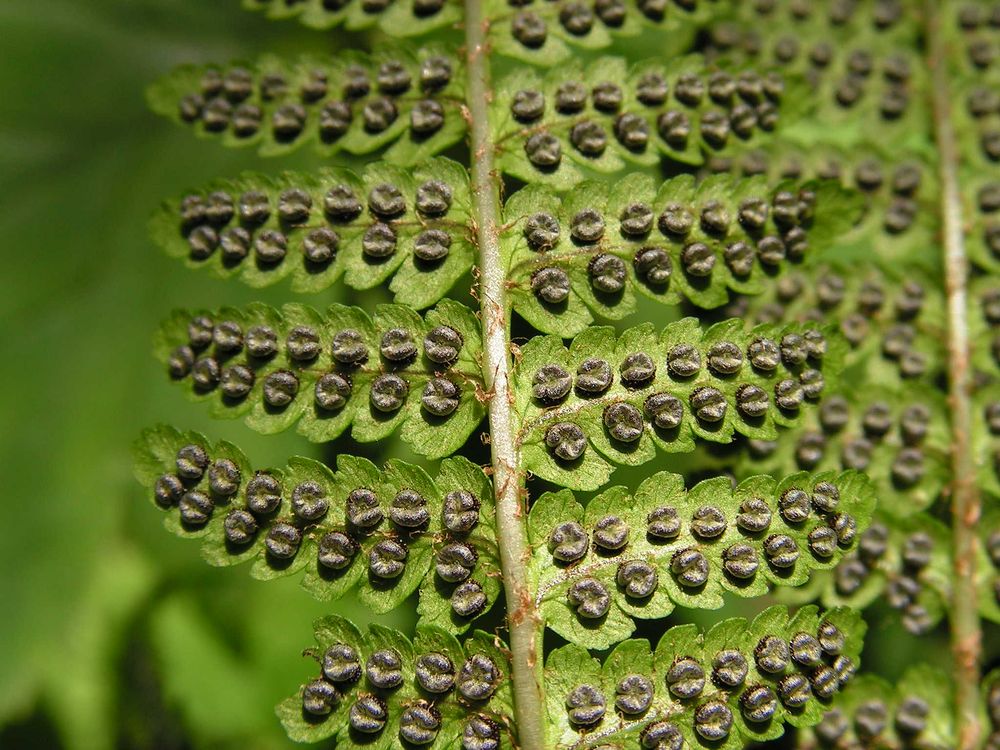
<point>523,619</point>
<point>966,635</point>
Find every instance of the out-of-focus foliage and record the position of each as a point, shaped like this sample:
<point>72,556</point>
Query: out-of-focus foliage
<point>113,634</point>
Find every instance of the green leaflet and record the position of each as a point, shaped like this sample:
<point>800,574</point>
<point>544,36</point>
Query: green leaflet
<point>405,101</point>
<point>645,390</point>
<point>552,33</point>
<point>975,76</point>
<point>916,711</point>
<point>984,326</point>
<point>900,216</point>
<point>340,528</point>
<point>904,562</point>
<point>667,546</point>
<point>895,326</point>
<point>988,564</point>
<point>355,688</point>
<point>609,114</point>
<point>687,697</point>
<point>401,18</point>
<point>327,371</point>
<point>592,252</point>
<point>410,225</point>
<point>898,437</point>
<point>866,82</point>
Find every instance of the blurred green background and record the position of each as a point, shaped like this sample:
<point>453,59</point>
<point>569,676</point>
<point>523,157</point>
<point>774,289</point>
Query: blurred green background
<point>115,634</point>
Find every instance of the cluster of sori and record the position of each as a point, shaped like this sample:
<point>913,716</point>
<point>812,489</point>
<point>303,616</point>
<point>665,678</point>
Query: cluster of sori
<point>332,369</point>
<point>979,29</point>
<point>980,32</point>
<point>426,14</point>
<point>980,24</point>
<point>872,713</point>
<point>665,389</point>
<point>741,679</point>
<point>852,60</point>
<point>987,364</point>
<point>535,26</point>
<point>880,15</point>
<point>876,314</point>
<point>317,228</point>
<point>901,561</point>
<point>640,555</point>
<point>593,252</point>
<point>356,106</point>
<point>880,437</point>
<point>988,202</point>
<point>893,190</point>
<point>381,531</point>
<point>992,545</point>
<point>380,687</point>
<point>689,109</point>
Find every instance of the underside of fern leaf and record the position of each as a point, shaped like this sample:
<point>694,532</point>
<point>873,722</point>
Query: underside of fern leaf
<point>383,532</point>
<point>775,202</point>
<point>328,371</point>
<point>410,225</point>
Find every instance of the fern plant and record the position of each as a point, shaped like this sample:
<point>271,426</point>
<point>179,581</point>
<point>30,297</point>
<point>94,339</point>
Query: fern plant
<point>789,207</point>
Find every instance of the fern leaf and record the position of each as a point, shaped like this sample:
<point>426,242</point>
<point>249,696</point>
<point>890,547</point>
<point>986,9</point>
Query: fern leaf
<point>380,689</point>
<point>399,18</point>
<point>609,114</point>
<point>410,225</point>
<point>976,76</point>
<point>599,248</point>
<point>407,101</point>
<point>915,712</point>
<point>988,564</point>
<point>639,555</point>
<point>894,325</point>
<point>553,32</point>
<point>904,562</point>
<point>740,682</point>
<point>899,438</point>
<point>900,218</point>
<point>643,390</point>
<point>382,533</point>
<point>328,371</point>
<point>863,74</point>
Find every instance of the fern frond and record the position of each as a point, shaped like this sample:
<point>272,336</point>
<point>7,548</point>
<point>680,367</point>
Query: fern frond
<point>577,119</point>
<point>595,250</point>
<point>899,438</point>
<point>408,224</point>
<point>904,562</point>
<point>546,34</point>
<point>382,532</point>
<point>407,101</point>
<point>328,371</point>
<point>900,218</point>
<point>379,689</point>
<point>863,74</point>
<point>740,682</point>
<point>400,18</point>
<point>639,555</point>
<point>983,191</point>
<point>895,326</point>
<point>627,395</point>
<point>915,712</point>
